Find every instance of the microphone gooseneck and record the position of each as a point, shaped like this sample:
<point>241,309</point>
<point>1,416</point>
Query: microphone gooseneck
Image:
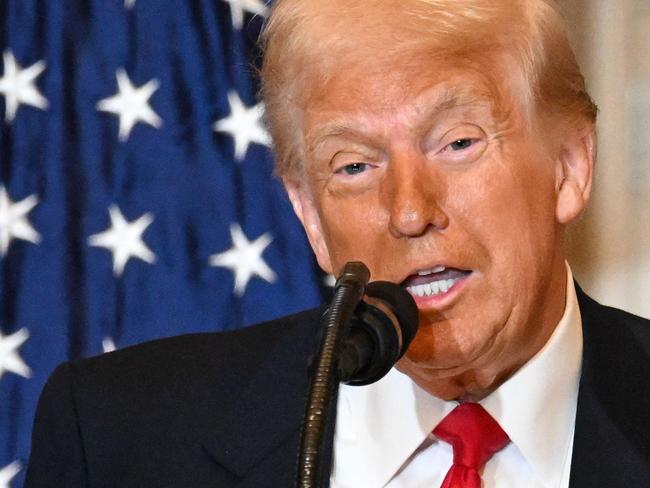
<point>360,343</point>
<point>348,291</point>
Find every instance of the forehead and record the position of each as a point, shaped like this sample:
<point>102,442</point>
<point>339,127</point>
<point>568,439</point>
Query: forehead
<point>384,79</point>
<point>382,104</point>
<point>388,93</point>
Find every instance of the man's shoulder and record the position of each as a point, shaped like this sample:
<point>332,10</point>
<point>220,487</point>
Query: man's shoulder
<point>195,347</point>
<point>616,348</point>
<point>173,404</point>
<point>604,323</point>
<point>611,444</point>
<point>616,363</point>
<point>182,366</point>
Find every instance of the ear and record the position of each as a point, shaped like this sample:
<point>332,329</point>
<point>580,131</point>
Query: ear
<point>574,173</point>
<point>303,206</point>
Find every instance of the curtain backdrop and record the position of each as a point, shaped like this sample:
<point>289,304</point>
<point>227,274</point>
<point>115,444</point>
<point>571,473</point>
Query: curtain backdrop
<point>136,191</point>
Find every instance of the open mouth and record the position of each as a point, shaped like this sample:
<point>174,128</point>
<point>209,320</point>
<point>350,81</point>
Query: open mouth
<point>434,282</point>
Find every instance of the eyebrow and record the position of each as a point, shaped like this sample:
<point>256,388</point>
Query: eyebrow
<point>451,98</point>
<point>331,129</point>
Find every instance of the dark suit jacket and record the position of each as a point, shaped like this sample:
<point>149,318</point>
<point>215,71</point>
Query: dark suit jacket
<point>224,410</point>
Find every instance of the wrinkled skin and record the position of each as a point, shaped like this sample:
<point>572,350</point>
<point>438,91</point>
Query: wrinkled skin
<point>414,165</point>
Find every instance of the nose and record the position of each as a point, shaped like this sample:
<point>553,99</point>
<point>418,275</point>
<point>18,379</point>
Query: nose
<point>413,194</point>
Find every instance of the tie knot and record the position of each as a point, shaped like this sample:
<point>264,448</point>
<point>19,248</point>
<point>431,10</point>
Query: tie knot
<point>473,433</point>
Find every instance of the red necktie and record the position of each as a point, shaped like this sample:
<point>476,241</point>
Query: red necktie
<point>475,437</point>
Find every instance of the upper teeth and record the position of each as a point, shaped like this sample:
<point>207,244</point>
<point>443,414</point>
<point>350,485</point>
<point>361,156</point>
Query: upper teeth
<point>433,288</point>
<point>437,269</point>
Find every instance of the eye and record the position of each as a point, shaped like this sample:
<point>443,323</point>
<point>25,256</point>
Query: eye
<point>461,144</point>
<point>354,168</point>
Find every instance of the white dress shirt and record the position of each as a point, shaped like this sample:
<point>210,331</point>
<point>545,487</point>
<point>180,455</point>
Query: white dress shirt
<point>383,431</point>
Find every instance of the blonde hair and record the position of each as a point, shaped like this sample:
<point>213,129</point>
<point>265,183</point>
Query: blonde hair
<point>305,42</point>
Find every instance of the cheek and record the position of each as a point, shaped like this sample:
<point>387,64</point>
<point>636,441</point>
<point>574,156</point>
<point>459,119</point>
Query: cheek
<point>509,211</point>
<point>510,202</point>
<point>353,229</point>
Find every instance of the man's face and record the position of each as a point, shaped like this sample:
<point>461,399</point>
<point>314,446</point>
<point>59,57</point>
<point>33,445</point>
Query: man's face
<point>429,174</point>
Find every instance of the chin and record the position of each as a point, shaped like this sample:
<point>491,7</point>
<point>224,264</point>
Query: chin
<point>458,382</point>
<point>441,386</point>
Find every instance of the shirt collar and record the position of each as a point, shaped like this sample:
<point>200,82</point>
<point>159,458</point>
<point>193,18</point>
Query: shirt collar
<point>380,425</point>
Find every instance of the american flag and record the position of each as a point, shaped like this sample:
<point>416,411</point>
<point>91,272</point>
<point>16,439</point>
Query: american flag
<point>136,191</point>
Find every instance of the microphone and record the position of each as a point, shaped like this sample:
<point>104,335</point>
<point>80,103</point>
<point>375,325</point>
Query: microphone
<point>359,344</point>
<point>381,329</point>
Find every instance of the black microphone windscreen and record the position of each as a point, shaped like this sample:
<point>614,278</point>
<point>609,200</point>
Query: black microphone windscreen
<point>402,304</point>
<point>376,341</point>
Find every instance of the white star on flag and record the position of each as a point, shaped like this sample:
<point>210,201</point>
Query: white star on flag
<point>244,125</point>
<point>237,8</point>
<point>124,239</point>
<point>17,85</point>
<point>13,220</point>
<point>131,104</point>
<point>244,259</point>
<point>8,473</point>
<point>108,344</point>
<point>129,4</point>
<point>10,360</point>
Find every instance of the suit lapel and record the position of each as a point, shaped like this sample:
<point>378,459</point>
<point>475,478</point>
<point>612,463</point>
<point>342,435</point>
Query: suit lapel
<point>612,435</point>
<point>255,433</point>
